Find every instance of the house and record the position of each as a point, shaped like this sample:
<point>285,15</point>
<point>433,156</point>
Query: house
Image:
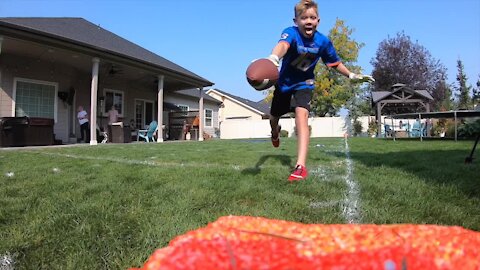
<point>240,118</point>
<point>187,101</point>
<point>235,107</point>
<point>50,66</point>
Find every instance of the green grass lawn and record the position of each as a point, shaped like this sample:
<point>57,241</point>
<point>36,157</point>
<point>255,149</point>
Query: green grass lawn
<point>111,206</point>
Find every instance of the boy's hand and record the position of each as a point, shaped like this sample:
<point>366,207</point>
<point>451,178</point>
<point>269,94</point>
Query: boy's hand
<point>275,60</point>
<point>360,78</point>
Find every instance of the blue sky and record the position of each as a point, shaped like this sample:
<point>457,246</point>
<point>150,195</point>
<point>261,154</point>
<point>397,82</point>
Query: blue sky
<point>217,39</point>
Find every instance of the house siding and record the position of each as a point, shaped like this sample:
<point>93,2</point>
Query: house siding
<point>30,69</point>
<point>232,109</point>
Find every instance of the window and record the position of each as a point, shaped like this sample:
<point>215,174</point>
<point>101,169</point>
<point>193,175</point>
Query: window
<point>35,98</point>
<point>184,108</point>
<point>113,97</point>
<point>208,118</point>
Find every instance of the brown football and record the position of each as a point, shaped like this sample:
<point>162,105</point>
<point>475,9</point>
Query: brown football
<point>262,74</point>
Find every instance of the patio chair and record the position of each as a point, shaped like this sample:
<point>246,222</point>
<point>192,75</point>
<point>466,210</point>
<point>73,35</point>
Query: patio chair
<point>416,129</point>
<point>147,134</point>
<point>388,131</point>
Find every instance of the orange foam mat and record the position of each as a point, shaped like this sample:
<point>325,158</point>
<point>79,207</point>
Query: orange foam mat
<point>242,242</point>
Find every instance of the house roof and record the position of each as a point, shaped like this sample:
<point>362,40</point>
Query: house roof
<point>260,106</point>
<point>80,34</point>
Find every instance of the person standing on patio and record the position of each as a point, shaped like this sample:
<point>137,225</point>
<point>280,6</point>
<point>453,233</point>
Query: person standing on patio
<point>82,117</point>
<point>112,115</point>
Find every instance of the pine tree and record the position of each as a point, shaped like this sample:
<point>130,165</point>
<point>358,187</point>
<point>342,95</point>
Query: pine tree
<point>476,95</point>
<point>463,91</point>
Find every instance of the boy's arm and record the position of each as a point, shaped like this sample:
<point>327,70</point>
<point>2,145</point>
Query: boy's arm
<point>354,77</point>
<point>279,52</point>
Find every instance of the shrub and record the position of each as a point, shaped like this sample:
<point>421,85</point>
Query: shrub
<point>309,130</point>
<point>283,133</point>
<point>469,129</point>
<point>372,128</point>
<point>357,128</point>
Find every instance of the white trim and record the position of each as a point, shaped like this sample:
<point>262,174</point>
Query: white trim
<point>55,98</point>
<point>105,90</point>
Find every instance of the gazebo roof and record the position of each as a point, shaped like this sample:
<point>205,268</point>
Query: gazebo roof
<point>399,87</point>
<point>401,99</point>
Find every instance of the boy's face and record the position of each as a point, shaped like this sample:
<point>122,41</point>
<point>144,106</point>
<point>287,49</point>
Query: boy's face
<point>307,22</point>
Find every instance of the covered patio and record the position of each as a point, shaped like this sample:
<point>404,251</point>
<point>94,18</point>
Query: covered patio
<point>89,66</point>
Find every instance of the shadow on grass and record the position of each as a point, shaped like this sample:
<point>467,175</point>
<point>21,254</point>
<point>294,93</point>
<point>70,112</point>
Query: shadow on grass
<point>435,166</point>
<point>284,160</point>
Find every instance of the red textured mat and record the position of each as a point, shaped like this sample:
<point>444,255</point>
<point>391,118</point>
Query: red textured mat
<point>235,242</point>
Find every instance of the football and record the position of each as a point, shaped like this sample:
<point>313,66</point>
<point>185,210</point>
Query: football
<point>262,74</point>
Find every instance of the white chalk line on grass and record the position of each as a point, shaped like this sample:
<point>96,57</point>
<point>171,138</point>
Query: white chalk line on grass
<point>350,204</point>
<point>157,163</point>
<point>351,207</point>
<point>6,262</point>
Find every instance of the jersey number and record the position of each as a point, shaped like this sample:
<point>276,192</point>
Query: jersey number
<point>302,62</point>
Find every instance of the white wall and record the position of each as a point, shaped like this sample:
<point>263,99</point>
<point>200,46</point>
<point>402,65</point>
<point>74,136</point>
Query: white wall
<point>321,127</point>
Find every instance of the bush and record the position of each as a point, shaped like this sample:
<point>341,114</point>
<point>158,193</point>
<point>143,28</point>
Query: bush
<point>309,130</point>
<point>357,128</point>
<point>469,129</point>
<point>372,127</point>
<point>283,133</point>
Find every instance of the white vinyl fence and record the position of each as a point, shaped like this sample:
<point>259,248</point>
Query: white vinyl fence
<point>321,127</point>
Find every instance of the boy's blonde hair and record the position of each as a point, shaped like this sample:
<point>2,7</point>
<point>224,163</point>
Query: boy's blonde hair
<point>303,5</point>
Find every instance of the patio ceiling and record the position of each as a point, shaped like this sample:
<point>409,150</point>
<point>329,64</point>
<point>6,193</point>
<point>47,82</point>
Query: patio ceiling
<point>75,42</point>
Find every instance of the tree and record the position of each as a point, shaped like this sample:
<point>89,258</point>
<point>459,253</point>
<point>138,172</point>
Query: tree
<point>463,91</point>
<point>399,60</point>
<point>333,90</point>
<point>443,100</point>
<point>476,94</point>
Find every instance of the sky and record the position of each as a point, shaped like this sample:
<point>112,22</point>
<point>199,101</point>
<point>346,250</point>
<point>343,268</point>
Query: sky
<point>217,39</point>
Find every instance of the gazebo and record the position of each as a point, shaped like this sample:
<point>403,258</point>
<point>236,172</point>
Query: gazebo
<point>400,99</point>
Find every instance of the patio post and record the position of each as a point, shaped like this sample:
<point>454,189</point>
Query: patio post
<point>393,130</point>
<point>200,114</point>
<point>455,116</point>
<point>93,102</point>
<point>421,129</point>
<point>160,108</point>
<point>379,120</point>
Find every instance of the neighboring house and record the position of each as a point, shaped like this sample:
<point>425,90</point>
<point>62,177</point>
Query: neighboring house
<point>240,118</point>
<point>50,66</point>
<point>187,100</point>
<point>234,107</point>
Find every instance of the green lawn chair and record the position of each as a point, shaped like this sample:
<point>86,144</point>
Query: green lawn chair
<point>147,134</point>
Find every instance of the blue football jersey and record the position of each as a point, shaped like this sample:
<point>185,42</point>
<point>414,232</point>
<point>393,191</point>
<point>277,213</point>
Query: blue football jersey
<point>297,71</point>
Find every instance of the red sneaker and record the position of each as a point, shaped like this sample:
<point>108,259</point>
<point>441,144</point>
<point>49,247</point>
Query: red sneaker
<point>276,139</point>
<point>300,173</point>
